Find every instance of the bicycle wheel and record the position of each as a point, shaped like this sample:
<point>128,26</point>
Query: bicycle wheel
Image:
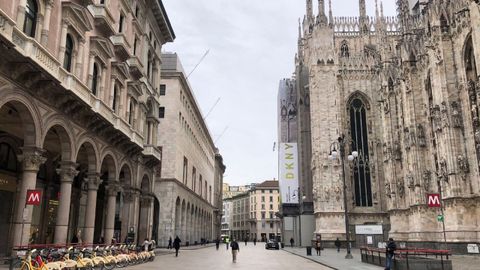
<point>21,265</point>
<point>109,265</point>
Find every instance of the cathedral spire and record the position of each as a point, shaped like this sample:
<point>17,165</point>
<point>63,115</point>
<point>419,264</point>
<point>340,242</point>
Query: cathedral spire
<point>376,9</point>
<point>321,8</point>
<point>309,10</point>
<point>381,8</point>
<point>363,17</point>
<point>330,13</point>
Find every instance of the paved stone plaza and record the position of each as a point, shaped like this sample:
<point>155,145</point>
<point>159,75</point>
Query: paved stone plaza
<point>250,257</point>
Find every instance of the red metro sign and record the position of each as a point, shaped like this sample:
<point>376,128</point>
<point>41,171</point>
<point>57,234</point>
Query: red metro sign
<point>33,197</point>
<point>433,200</point>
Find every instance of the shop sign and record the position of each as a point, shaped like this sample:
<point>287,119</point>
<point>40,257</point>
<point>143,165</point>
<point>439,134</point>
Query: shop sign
<point>8,183</point>
<point>33,197</point>
<point>288,169</point>
<point>473,248</point>
<point>368,229</point>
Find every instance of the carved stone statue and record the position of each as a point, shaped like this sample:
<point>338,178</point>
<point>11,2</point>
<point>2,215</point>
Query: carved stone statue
<point>388,190</point>
<point>444,115</point>
<point>436,117</point>
<point>410,180</point>
<point>397,151</point>
<point>400,188</point>
<point>442,171</point>
<point>456,115</point>
<point>426,177</point>
<point>422,142</point>
<point>462,163</point>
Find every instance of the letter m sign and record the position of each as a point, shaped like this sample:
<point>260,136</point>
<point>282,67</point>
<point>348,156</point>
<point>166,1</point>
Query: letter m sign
<point>433,200</point>
<point>33,197</point>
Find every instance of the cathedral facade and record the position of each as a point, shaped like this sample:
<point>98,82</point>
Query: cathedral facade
<point>404,92</point>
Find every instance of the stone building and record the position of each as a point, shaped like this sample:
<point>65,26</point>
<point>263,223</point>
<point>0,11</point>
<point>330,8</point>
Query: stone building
<point>79,99</point>
<point>192,168</point>
<point>239,216</point>
<point>404,91</point>
<point>230,191</point>
<point>226,216</point>
<point>264,203</point>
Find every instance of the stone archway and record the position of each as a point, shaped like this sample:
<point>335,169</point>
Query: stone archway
<point>84,192</point>
<point>19,123</point>
<point>56,179</point>
<point>106,201</point>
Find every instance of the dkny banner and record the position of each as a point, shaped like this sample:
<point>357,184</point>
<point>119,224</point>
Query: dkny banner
<point>288,170</point>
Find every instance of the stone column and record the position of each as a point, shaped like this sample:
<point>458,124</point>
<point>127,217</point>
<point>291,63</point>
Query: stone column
<point>79,60</point>
<point>126,209</point>
<point>112,190</point>
<point>91,62</point>
<point>63,40</point>
<point>31,159</point>
<point>46,22</point>
<point>93,182</point>
<point>67,172</point>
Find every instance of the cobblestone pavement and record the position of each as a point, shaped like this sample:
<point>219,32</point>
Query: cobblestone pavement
<point>250,257</point>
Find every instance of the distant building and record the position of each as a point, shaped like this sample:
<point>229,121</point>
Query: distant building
<point>239,228</point>
<point>189,188</point>
<point>230,191</point>
<point>264,203</point>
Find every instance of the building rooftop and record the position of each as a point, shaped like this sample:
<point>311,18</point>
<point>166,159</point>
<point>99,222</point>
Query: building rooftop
<point>268,184</point>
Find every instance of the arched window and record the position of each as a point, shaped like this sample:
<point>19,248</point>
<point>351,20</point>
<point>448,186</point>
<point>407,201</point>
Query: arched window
<point>8,158</point>
<point>30,23</point>
<point>470,63</point>
<point>114,102</point>
<point>67,61</point>
<point>344,52</point>
<point>95,79</point>
<point>361,170</point>
<point>149,65</point>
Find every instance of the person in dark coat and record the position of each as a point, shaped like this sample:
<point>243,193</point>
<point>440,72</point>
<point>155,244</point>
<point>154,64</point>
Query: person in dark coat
<point>390,252</point>
<point>217,243</point>
<point>169,243</point>
<point>246,241</point>
<point>337,244</point>
<point>176,245</point>
<point>318,247</point>
<point>235,249</point>
<point>255,241</point>
<point>292,242</point>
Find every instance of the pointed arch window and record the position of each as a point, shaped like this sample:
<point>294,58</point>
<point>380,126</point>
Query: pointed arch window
<point>344,51</point>
<point>95,78</point>
<point>361,170</point>
<point>30,22</point>
<point>470,63</point>
<point>67,61</point>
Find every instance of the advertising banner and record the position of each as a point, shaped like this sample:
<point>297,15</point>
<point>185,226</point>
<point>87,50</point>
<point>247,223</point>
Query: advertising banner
<point>288,170</point>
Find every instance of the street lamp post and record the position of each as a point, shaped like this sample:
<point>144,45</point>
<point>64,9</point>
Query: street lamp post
<point>340,144</point>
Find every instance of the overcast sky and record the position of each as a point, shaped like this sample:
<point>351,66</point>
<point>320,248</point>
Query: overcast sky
<point>252,46</point>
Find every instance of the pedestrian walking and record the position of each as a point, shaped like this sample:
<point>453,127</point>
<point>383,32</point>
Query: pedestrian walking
<point>227,242</point>
<point>169,243</point>
<point>146,244</point>
<point>217,243</point>
<point>176,245</point>
<point>390,252</point>
<point>292,242</point>
<point>317,247</point>
<point>235,250</point>
<point>246,241</point>
<point>255,241</point>
<point>337,244</point>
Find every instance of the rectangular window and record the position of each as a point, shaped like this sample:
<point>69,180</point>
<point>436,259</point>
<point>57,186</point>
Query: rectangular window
<point>271,215</point>
<point>120,23</point>
<point>271,206</point>
<point>263,191</point>
<point>263,206</point>
<point>263,215</point>
<point>194,178</point>
<point>271,225</point>
<point>263,198</point>
<point>161,112</point>
<point>271,198</point>
<point>163,89</point>
<point>135,44</point>
<point>185,170</point>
